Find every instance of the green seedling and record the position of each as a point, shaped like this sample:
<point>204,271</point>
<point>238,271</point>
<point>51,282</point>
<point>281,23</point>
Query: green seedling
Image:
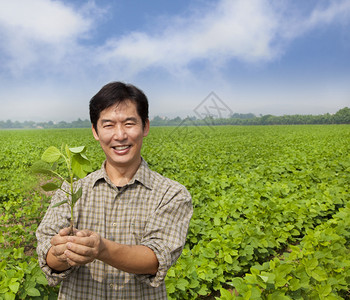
<point>65,165</point>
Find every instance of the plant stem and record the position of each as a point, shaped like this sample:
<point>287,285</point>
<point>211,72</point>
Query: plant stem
<point>71,227</point>
<point>68,162</point>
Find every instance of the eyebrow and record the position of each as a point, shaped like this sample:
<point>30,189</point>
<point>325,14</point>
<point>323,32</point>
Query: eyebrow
<point>103,121</point>
<point>131,119</point>
<point>106,121</point>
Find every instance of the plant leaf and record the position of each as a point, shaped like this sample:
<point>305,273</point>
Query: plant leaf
<point>83,155</point>
<point>54,166</point>
<point>33,292</point>
<point>14,287</point>
<point>50,186</point>
<point>87,168</point>
<point>80,165</point>
<point>51,154</point>
<point>79,149</point>
<point>41,279</point>
<point>76,195</point>
<point>67,151</point>
<point>41,167</point>
<point>60,203</point>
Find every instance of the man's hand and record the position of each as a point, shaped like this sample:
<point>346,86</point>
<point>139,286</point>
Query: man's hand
<point>56,258</point>
<point>86,246</point>
<point>82,248</point>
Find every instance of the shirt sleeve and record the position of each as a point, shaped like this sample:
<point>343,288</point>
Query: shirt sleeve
<point>166,231</point>
<point>54,220</point>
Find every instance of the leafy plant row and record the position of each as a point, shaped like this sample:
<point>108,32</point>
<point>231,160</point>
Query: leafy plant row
<point>259,194</point>
<point>20,274</point>
<point>317,268</point>
<point>249,210</point>
<point>22,206</point>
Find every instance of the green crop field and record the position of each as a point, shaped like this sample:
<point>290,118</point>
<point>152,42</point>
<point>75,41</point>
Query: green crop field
<point>271,209</point>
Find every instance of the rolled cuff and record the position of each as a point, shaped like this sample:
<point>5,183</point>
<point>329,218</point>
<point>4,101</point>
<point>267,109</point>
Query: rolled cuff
<point>165,262</point>
<point>53,277</point>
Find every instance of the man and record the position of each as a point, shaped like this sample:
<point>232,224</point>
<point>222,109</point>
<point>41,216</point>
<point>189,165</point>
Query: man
<point>131,222</point>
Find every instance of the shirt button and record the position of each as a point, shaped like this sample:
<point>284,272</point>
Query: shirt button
<point>114,224</point>
<point>111,285</point>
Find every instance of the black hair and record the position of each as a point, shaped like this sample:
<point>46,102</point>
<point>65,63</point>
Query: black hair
<point>114,93</point>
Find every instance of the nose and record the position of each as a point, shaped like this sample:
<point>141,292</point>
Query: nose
<point>120,133</point>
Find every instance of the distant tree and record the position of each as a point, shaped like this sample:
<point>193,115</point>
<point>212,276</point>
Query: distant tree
<point>242,116</point>
<point>8,124</point>
<point>174,122</point>
<point>17,124</point>
<point>157,121</point>
<point>62,124</point>
<point>342,116</point>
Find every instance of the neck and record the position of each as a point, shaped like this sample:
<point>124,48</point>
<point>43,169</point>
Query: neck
<point>120,175</point>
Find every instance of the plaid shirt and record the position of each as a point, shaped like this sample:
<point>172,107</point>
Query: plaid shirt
<point>150,210</point>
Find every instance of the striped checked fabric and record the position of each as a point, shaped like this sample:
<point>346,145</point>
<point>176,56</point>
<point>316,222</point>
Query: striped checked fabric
<point>150,210</point>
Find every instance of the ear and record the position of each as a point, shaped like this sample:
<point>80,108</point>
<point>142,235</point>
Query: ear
<point>146,128</point>
<point>94,132</point>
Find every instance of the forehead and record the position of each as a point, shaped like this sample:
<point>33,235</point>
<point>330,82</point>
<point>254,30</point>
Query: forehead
<point>126,108</point>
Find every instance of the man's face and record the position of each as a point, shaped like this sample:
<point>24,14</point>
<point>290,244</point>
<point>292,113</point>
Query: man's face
<point>120,132</point>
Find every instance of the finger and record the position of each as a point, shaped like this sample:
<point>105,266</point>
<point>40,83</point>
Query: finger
<point>62,258</point>
<point>64,231</point>
<point>88,241</point>
<point>59,253</point>
<point>77,259</point>
<point>84,233</point>
<point>58,240</point>
<point>73,263</point>
<point>58,250</point>
<point>81,250</point>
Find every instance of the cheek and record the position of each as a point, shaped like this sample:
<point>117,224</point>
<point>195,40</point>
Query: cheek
<point>138,139</point>
<point>133,134</point>
<point>106,137</point>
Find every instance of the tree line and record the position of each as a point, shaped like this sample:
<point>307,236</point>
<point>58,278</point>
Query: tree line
<point>44,125</point>
<point>342,116</point>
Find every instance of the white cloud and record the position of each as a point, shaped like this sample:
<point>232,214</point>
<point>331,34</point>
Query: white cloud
<point>336,11</point>
<point>231,29</point>
<point>42,20</point>
<point>46,35</point>
<point>250,31</point>
<point>34,32</point>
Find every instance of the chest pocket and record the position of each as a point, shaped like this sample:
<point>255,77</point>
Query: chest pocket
<point>138,228</point>
<point>138,224</point>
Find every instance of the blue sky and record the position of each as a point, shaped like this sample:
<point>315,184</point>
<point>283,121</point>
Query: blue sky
<point>259,56</point>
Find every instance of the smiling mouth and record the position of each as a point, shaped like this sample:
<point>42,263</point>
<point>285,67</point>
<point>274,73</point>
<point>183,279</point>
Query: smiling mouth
<point>119,148</point>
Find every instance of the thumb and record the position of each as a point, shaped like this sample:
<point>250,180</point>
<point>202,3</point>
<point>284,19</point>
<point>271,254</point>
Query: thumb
<point>64,231</point>
<point>84,233</point>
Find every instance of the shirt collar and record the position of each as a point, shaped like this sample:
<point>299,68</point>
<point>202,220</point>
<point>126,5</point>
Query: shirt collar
<point>142,175</point>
